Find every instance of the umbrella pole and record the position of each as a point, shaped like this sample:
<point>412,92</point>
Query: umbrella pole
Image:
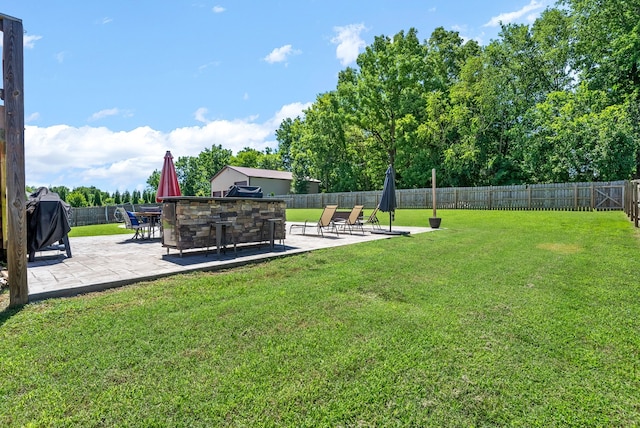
<point>390,220</point>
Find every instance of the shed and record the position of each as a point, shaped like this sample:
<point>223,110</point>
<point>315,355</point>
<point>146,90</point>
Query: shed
<point>271,182</point>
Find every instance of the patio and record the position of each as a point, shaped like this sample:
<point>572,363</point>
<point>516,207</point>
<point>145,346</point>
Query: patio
<point>103,262</point>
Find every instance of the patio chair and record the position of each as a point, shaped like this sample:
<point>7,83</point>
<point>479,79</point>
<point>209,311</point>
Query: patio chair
<point>325,221</point>
<point>132,222</point>
<point>373,219</point>
<point>353,221</point>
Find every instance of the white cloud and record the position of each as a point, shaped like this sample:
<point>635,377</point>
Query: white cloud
<point>210,64</point>
<point>106,20</point>
<point>104,113</point>
<point>292,110</point>
<point>218,9</point>
<point>509,17</point>
<point>97,156</point>
<point>32,117</point>
<point>349,42</point>
<point>245,97</point>
<point>200,115</point>
<point>60,56</point>
<point>29,42</point>
<point>281,54</point>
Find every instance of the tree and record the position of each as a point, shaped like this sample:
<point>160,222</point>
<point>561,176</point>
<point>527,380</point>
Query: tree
<point>195,172</point>
<point>154,181</point>
<point>247,157</point>
<point>607,45</point>
<point>62,191</point>
<point>336,162</point>
<point>77,199</point>
<point>286,135</point>
<point>579,137</point>
<point>387,87</point>
<point>117,198</point>
<point>270,159</point>
<point>294,155</point>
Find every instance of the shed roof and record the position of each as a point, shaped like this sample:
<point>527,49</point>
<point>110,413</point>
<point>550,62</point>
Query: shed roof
<point>259,173</point>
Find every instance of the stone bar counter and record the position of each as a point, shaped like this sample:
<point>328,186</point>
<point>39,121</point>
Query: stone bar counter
<point>186,220</point>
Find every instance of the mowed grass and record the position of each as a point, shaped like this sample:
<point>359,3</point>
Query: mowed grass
<point>499,319</point>
<point>99,229</point>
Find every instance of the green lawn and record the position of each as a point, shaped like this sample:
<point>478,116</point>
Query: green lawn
<point>99,229</point>
<point>500,319</point>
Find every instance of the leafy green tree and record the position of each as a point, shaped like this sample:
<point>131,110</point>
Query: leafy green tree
<point>286,134</point>
<point>154,181</point>
<point>580,138</point>
<point>126,197</point>
<point>97,198</point>
<point>294,155</point>
<point>117,198</point>
<point>247,157</point>
<point>195,172</point>
<point>77,199</point>
<point>387,87</point>
<point>271,159</point>
<point>607,45</point>
<point>62,191</point>
<point>325,136</point>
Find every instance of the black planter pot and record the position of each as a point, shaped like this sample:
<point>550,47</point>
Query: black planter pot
<point>434,222</point>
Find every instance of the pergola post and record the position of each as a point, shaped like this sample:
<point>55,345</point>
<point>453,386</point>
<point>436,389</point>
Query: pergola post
<point>13,193</point>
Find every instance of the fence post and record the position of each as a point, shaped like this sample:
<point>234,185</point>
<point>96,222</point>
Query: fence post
<point>635,209</point>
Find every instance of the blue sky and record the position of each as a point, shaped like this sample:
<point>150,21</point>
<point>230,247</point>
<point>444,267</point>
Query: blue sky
<point>111,85</point>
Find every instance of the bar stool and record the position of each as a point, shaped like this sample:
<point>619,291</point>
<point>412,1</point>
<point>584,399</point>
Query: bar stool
<point>221,227</point>
<point>272,222</point>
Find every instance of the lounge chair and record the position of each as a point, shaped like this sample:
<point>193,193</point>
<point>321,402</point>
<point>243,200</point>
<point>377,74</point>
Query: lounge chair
<point>132,222</point>
<point>353,221</point>
<point>373,219</point>
<point>325,222</point>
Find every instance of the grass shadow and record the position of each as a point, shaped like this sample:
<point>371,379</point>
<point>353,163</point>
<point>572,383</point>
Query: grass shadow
<point>5,311</point>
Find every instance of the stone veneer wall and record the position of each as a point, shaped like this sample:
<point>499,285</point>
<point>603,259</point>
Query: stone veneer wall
<point>194,216</point>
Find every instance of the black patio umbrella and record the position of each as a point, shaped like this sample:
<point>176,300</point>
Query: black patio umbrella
<point>388,201</point>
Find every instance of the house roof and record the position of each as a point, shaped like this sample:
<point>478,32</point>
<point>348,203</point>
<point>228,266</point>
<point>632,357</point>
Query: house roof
<point>259,173</point>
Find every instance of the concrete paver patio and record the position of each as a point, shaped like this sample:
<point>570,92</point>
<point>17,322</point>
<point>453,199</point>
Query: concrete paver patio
<point>103,262</point>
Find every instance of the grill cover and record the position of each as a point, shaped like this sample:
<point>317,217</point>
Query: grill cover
<point>244,192</point>
<point>47,220</point>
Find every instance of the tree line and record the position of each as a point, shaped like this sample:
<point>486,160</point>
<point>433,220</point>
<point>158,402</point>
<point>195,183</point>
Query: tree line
<point>554,101</point>
<point>91,196</point>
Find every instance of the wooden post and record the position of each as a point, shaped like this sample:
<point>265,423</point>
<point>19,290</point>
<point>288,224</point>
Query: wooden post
<point>634,202</point>
<point>13,80</point>
<point>433,190</point>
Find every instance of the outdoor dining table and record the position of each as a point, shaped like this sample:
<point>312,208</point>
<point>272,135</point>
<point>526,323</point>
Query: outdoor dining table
<point>152,218</point>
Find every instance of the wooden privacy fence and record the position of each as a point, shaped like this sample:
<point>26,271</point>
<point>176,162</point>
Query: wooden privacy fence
<point>562,196</point>
<point>632,201</point>
<point>101,215</point>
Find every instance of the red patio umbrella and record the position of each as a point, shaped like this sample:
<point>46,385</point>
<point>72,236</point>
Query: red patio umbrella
<point>168,185</point>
